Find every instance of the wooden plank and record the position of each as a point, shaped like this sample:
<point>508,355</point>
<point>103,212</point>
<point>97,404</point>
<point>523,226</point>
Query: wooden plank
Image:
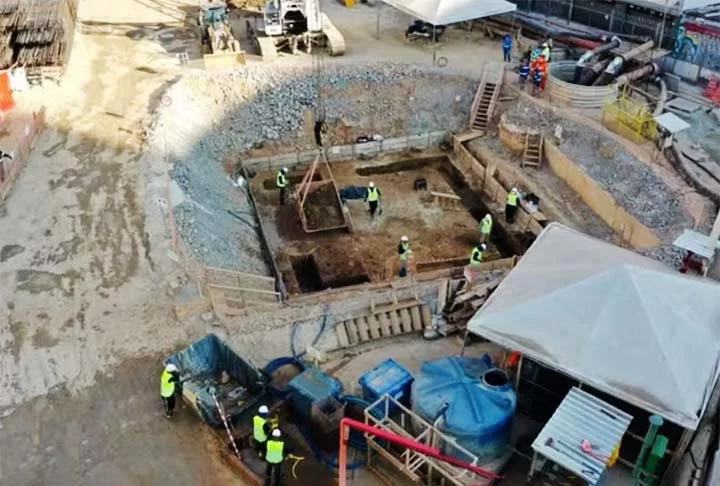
<point>415,318</point>
<point>444,195</point>
<point>442,295</point>
<point>342,335</point>
<point>362,328</point>
<point>426,315</point>
<point>352,331</point>
<point>395,323</point>
<point>384,324</point>
<point>374,327</point>
<point>405,320</point>
<point>396,306</point>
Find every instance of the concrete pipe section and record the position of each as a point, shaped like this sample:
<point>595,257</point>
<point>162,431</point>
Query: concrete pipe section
<point>562,89</point>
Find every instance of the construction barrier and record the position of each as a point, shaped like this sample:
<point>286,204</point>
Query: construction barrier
<point>7,102</point>
<point>19,144</point>
<point>599,200</point>
<point>630,117</point>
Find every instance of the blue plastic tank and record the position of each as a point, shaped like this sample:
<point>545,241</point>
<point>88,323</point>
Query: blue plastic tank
<point>480,404</point>
<point>387,378</point>
<point>309,387</point>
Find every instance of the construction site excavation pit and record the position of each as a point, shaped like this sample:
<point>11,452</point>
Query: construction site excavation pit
<point>423,198</point>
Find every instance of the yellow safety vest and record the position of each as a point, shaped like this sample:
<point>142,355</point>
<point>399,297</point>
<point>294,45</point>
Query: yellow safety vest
<point>476,256</point>
<point>406,251</point>
<point>486,226</point>
<point>373,194</point>
<point>259,428</point>
<point>281,181</point>
<point>512,199</point>
<point>274,454</point>
<point>167,388</point>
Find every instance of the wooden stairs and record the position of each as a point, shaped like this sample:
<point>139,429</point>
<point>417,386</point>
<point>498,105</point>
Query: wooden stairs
<point>532,153</point>
<point>485,99</point>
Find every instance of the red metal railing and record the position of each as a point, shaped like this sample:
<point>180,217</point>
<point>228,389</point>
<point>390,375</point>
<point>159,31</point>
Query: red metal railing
<point>346,424</point>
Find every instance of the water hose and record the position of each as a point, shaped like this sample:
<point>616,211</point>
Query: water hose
<point>293,331</point>
<point>297,460</point>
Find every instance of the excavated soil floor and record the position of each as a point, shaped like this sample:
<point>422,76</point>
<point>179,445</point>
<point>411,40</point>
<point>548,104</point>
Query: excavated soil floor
<point>316,261</point>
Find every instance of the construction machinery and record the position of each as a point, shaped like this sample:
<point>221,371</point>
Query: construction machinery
<point>220,48</point>
<point>294,25</point>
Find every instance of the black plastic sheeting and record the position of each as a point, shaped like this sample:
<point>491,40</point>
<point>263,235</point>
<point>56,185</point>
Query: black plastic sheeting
<point>200,366</point>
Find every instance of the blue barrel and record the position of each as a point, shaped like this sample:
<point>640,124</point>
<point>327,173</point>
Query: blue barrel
<point>480,404</point>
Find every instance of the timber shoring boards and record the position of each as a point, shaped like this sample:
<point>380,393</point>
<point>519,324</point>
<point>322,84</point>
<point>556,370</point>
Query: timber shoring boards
<point>36,33</point>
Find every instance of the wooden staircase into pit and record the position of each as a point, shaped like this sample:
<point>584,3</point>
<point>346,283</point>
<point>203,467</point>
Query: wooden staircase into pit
<point>485,99</point>
<point>532,153</point>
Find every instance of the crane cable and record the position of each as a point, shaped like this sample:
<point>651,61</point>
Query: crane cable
<point>318,70</point>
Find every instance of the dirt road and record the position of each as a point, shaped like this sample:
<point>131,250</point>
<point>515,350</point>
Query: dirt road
<point>85,315</point>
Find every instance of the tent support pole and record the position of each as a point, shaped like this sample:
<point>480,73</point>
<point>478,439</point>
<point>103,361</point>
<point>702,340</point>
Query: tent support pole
<point>462,350</point>
<point>517,374</point>
<point>434,41</point>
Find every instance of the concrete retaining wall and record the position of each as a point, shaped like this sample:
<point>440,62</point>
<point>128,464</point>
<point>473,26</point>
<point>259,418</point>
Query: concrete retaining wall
<point>347,152</point>
<point>512,136</point>
<point>599,200</point>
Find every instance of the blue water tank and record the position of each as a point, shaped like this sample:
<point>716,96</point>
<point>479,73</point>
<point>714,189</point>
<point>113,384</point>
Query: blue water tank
<point>387,378</point>
<point>480,404</point>
<point>310,386</point>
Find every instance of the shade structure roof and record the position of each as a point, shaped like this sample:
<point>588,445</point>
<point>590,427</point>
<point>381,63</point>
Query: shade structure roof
<point>620,322</point>
<point>444,12</point>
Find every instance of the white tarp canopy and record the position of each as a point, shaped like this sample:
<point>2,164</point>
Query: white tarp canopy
<point>444,12</point>
<point>615,320</point>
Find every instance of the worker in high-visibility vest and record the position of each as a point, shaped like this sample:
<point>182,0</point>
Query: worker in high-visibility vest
<point>169,380</point>
<point>275,454</point>
<point>261,430</point>
<point>372,196</point>
<point>486,228</point>
<point>511,205</point>
<point>404,253</point>
<point>477,254</point>
<point>281,182</point>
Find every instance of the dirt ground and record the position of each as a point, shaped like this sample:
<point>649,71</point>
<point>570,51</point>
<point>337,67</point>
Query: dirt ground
<point>435,232</point>
<point>85,273</point>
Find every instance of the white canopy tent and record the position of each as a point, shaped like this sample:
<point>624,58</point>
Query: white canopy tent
<point>615,320</point>
<point>444,12</point>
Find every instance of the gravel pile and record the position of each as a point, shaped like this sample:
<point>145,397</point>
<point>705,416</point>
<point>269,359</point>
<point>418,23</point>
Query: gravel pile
<point>208,121</point>
<point>667,254</point>
<point>630,182</point>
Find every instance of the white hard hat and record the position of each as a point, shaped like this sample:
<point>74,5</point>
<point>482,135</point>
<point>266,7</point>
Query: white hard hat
<point>488,216</point>
<point>403,238</point>
<point>276,433</point>
<point>483,246</point>
<point>545,44</point>
<point>371,184</point>
<point>284,169</point>
<point>514,189</point>
<point>170,367</point>
<point>263,410</point>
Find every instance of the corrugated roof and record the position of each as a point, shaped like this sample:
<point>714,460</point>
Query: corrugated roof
<point>579,417</point>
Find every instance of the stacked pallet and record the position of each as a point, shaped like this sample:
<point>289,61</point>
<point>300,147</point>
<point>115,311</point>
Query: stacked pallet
<point>461,304</point>
<point>36,33</point>
<point>384,321</point>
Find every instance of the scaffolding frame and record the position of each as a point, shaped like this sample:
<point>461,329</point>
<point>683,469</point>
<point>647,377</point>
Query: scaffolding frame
<point>630,117</point>
<point>415,465</point>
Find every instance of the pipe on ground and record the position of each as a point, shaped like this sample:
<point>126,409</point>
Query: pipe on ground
<point>590,75</point>
<point>401,441</point>
<point>660,107</point>
<point>616,65</point>
<point>650,69</point>
<point>588,56</point>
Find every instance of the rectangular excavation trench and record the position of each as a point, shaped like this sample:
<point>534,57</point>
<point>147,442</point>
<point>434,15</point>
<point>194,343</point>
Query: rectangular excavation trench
<point>313,262</point>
